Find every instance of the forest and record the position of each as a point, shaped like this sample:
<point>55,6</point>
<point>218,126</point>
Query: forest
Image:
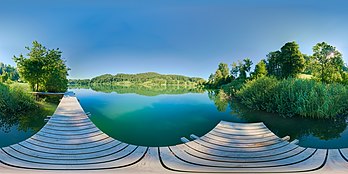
<point>146,79</point>
<point>289,82</point>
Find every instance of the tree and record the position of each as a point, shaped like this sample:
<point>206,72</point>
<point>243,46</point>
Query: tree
<point>225,72</point>
<point>234,70</point>
<point>8,73</point>
<point>218,77</point>
<point>309,65</point>
<point>274,63</point>
<point>221,76</point>
<point>329,63</point>
<point>244,68</point>
<point>260,70</point>
<point>43,68</point>
<point>293,61</point>
<point>288,62</point>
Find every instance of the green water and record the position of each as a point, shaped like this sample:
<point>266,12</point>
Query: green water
<point>159,118</point>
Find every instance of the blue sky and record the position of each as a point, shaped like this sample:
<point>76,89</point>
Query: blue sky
<point>188,37</point>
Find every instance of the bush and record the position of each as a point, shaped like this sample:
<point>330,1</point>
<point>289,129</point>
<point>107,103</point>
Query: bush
<point>234,86</point>
<point>14,100</point>
<point>289,97</point>
<point>257,93</point>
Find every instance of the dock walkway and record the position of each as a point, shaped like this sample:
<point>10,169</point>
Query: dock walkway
<point>71,143</point>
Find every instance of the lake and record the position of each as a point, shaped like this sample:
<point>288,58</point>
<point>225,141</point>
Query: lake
<point>161,116</point>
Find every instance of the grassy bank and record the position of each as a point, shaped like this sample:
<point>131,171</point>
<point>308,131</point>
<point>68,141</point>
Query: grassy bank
<point>14,99</point>
<point>291,97</point>
<point>19,106</point>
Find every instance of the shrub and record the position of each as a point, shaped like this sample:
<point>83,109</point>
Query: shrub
<point>257,93</point>
<point>289,97</point>
<point>14,100</point>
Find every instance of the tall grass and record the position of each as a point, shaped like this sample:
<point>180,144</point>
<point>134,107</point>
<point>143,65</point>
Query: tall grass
<point>15,100</point>
<point>290,97</point>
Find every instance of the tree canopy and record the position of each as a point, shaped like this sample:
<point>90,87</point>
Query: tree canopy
<point>149,78</point>
<point>44,69</point>
<point>8,73</point>
<point>328,63</point>
<point>288,62</point>
<point>260,70</point>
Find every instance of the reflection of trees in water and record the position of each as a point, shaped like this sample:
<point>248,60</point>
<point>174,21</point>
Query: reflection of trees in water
<point>32,120</point>
<point>295,127</point>
<point>25,121</point>
<point>144,90</point>
<point>220,99</point>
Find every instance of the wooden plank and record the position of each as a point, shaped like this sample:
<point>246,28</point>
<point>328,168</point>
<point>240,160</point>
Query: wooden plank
<point>67,136</point>
<point>242,158</point>
<point>71,161</point>
<point>239,143</point>
<point>70,141</point>
<point>238,147</point>
<point>248,137</point>
<point>242,126</point>
<point>70,151</point>
<point>313,162</point>
<point>56,156</point>
<point>222,149</point>
<point>240,153</point>
<point>241,133</point>
<point>68,146</point>
<point>69,133</point>
<point>247,164</point>
<point>232,139</point>
<point>127,159</point>
<point>62,129</point>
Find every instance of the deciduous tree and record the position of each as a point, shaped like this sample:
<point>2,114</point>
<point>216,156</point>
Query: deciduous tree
<point>329,63</point>
<point>43,68</point>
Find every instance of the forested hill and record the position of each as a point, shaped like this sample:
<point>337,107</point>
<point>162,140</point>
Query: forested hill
<point>149,78</point>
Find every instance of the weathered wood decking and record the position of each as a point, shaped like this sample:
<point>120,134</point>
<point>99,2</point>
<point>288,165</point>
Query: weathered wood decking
<point>71,143</point>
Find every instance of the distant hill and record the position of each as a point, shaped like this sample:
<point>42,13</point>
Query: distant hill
<point>145,79</point>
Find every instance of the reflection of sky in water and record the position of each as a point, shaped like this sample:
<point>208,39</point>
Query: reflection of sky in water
<point>164,119</point>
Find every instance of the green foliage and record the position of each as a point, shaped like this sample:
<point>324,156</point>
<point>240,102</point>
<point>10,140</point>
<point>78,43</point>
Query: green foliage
<point>79,81</point>
<point>225,72</point>
<point>147,79</point>
<point>274,64</point>
<point>290,97</point>
<point>257,93</point>
<point>260,70</point>
<point>240,69</point>
<point>293,61</point>
<point>328,63</point>
<point>221,76</point>
<point>44,68</point>
<point>244,68</point>
<point>234,86</point>
<point>14,100</point>
<point>18,107</point>
<point>220,99</point>
<point>288,62</point>
<point>144,90</point>
<point>8,73</point>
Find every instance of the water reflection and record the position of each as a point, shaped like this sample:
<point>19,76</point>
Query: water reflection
<point>16,127</point>
<point>320,133</point>
<point>142,90</point>
<point>196,112</point>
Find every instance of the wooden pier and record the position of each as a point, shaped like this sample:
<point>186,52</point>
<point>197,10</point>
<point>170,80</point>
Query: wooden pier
<point>71,143</point>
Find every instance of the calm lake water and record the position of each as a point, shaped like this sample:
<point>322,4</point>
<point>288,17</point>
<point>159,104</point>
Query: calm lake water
<point>160,117</point>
